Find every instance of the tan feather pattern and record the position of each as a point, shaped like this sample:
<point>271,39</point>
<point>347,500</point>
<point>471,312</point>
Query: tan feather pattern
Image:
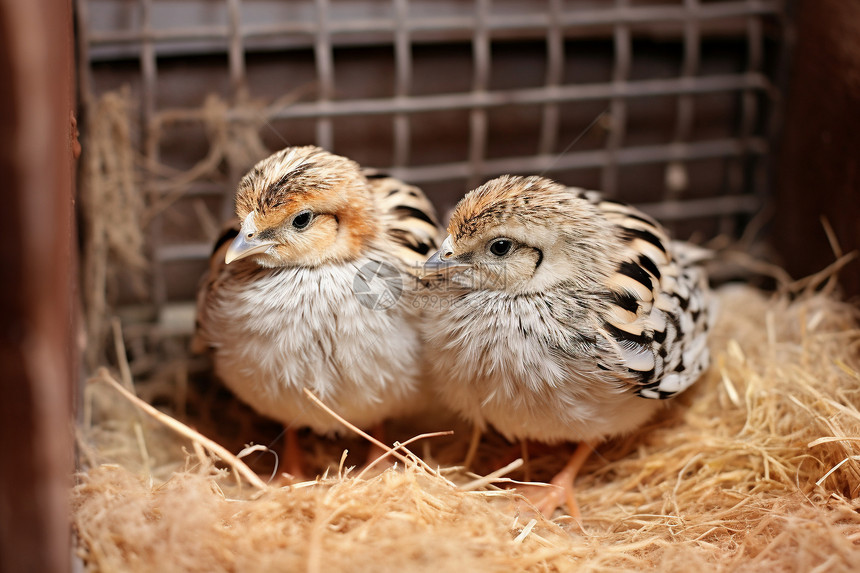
<point>289,300</point>
<point>409,217</point>
<point>596,309</point>
<point>659,309</point>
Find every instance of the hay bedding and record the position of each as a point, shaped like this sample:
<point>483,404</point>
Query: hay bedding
<point>756,468</point>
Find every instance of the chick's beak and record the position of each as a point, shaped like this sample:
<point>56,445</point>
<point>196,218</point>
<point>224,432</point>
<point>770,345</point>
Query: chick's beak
<point>443,260</point>
<point>435,259</point>
<point>440,257</point>
<point>242,247</point>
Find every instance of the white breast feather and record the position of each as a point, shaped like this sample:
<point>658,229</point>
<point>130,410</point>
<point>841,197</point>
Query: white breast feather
<point>304,327</point>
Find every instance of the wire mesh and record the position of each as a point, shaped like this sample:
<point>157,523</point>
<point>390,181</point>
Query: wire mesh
<point>681,96</point>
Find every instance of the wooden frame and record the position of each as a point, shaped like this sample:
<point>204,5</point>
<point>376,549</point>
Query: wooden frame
<point>37,257</point>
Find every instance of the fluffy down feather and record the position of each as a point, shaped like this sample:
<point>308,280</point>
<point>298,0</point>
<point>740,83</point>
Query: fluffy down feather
<point>566,316</point>
<point>284,314</point>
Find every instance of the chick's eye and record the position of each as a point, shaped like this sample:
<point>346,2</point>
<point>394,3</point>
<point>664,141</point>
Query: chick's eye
<point>501,247</point>
<point>302,220</point>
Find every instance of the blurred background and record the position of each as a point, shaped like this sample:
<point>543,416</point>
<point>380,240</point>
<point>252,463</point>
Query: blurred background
<point>723,118</point>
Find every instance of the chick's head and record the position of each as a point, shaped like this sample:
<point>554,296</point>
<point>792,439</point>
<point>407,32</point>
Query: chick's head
<point>526,234</point>
<point>303,206</point>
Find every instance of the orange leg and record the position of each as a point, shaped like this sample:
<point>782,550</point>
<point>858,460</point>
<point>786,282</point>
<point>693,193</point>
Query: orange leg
<point>378,432</point>
<point>562,490</point>
<point>474,442</point>
<point>524,455</point>
<point>292,462</point>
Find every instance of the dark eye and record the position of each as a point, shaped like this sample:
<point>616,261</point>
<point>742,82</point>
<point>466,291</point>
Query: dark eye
<point>302,220</point>
<point>501,247</point>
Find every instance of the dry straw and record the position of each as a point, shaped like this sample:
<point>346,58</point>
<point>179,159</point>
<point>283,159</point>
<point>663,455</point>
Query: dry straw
<point>756,469</point>
<point>111,203</point>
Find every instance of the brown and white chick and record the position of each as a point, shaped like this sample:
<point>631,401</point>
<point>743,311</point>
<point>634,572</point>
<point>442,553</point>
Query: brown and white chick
<point>290,300</point>
<point>568,317</point>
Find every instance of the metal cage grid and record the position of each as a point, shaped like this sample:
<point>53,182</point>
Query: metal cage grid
<point>146,33</point>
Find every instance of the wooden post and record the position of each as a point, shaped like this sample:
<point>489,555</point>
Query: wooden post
<point>37,284</point>
<point>818,169</point>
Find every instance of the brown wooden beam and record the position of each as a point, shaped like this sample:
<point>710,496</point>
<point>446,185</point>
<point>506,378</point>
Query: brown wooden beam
<point>36,285</point>
<point>818,169</point>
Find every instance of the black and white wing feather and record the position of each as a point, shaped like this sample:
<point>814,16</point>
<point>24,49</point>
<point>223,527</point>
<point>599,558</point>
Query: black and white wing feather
<point>408,217</point>
<point>658,312</point>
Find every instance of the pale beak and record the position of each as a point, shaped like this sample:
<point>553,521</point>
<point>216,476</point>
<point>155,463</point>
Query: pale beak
<point>435,259</point>
<point>442,256</point>
<point>442,260</point>
<point>242,247</point>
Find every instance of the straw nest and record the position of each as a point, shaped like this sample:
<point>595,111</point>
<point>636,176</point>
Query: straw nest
<point>756,468</point>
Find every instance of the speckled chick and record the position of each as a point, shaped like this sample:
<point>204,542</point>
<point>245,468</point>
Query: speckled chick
<point>566,316</point>
<point>304,292</point>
